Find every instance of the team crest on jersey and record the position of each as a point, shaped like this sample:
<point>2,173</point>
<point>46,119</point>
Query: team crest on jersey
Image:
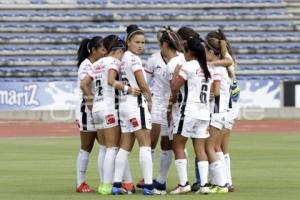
<point>134,122</point>
<point>110,119</point>
<point>199,72</point>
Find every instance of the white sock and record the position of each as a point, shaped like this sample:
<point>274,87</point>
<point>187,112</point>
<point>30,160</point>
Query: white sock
<point>153,155</point>
<point>81,166</point>
<point>109,164</point>
<point>222,159</point>
<point>217,173</point>
<point>165,162</point>
<point>127,177</point>
<point>120,165</point>
<point>101,157</point>
<point>146,164</point>
<point>211,175</point>
<point>187,159</point>
<point>228,168</point>
<point>203,171</point>
<point>181,168</point>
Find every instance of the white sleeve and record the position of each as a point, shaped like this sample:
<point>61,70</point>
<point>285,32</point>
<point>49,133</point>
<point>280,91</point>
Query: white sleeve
<point>136,64</point>
<point>184,73</point>
<point>114,65</point>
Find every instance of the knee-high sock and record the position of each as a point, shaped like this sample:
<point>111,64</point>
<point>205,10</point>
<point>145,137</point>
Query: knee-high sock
<point>203,170</point>
<point>228,168</point>
<point>100,162</point>
<point>165,162</point>
<point>146,164</point>
<point>109,163</point>
<point>181,168</point>
<point>222,159</point>
<point>81,166</point>
<point>120,163</point>
<point>217,173</point>
<point>127,177</point>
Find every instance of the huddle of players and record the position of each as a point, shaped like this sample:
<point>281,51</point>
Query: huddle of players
<point>193,95</point>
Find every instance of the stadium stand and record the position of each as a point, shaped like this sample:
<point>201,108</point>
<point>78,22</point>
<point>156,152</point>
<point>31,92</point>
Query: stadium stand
<point>39,38</point>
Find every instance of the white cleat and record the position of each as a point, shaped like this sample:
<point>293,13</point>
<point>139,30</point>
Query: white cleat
<point>181,189</point>
<point>159,192</point>
<point>203,190</point>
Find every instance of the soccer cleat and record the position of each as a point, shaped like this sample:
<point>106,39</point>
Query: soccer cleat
<point>218,190</point>
<point>181,189</point>
<point>117,191</point>
<point>140,184</point>
<point>159,188</point>
<point>128,188</point>
<point>195,187</point>
<point>105,189</point>
<point>230,187</point>
<point>203,189</point>
<point>147,191</point>
<point>84,188</point>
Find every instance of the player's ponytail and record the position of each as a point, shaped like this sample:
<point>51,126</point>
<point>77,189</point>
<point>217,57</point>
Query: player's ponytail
<point>195,45</point>
<point>83,52</point>
<point>86,48</point>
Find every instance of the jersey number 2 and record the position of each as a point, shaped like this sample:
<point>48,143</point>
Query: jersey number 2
<point>99,87</point>
<point>203,94</point>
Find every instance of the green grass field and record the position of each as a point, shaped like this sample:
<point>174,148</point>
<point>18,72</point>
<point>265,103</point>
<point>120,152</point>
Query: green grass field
<point>264,166</point>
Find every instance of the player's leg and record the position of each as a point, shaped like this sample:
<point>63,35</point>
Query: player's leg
<point>101,153</point>
<point>112,138</point>
<point>179,142</point>
<point>87,139</point>
<point>146,164</point>
<point>121,160</point>
<point>227,161</point>
<point>215,167</point>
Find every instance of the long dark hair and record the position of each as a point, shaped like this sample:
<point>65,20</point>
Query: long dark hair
<point>196,47</point>
<point>187,33</point>
<point>86,46</point>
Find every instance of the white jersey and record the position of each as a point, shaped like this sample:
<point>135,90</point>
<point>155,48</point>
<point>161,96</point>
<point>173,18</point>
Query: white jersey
<point>172,64</point>
<point>195,91</point>
<point>157,68</point>
<point>131,64</point>
<point>220,74</point>
<point>84,67</point>
<point>105,95</point>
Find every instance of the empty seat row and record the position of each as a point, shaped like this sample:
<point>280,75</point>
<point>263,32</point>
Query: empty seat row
<point>242,25</point>
<point>169,13</point>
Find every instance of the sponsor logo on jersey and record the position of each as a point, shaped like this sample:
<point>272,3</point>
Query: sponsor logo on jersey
<point>134,122</point>
<point>110,119</point>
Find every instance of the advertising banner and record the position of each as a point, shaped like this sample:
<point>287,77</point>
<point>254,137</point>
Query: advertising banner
<point>38,95</point>
<point>64,95</point>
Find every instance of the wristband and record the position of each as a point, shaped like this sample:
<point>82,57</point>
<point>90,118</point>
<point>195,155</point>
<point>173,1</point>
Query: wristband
<point>125,89</point>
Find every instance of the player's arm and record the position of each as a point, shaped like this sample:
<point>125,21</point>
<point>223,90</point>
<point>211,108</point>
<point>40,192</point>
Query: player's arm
<point>85,85</point>
<point>112,75</point>
<point>143,87</point>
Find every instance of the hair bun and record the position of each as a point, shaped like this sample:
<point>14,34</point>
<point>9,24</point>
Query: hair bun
<point>131,28</point>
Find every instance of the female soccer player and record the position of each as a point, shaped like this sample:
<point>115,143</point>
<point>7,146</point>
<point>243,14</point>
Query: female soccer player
<point>105,105</point>
<point>156,69</point>
<point>223,145</point>
<point>90,50</point>
<point>134,112</point>
<point>221,90</point>
<point>194,83</point>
